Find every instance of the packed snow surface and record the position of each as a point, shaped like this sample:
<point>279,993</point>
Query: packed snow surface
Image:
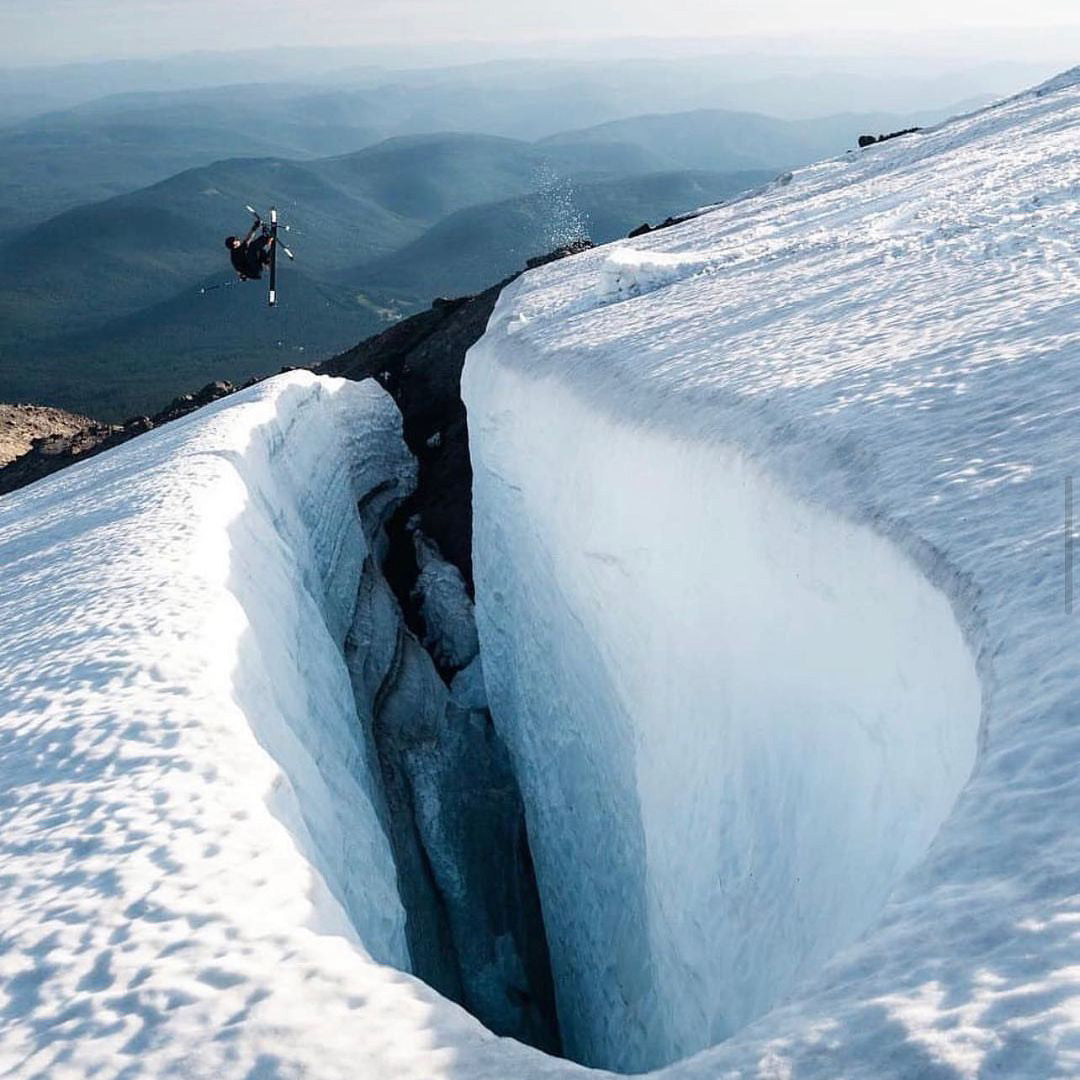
<point>853,394</point>
<point>773,587</point>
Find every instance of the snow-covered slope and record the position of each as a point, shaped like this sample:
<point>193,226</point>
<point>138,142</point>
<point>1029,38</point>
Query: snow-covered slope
<point>773,573</point>
<point>193,872</point>
<point>777,503</point>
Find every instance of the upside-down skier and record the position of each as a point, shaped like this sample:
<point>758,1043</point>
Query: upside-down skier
<point>251,254</point>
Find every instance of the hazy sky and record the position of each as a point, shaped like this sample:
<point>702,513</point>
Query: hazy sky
<point>35,31</point>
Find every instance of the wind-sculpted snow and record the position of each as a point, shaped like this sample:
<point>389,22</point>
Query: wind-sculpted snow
<point>774,582</point>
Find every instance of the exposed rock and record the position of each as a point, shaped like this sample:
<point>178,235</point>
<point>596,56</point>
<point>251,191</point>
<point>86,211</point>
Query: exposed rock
<point>645,228</point>
<point>82,437</point>
<point>575,247</point>
<point>419,361</point>
<point>20,425</point>
<point>870,140</point>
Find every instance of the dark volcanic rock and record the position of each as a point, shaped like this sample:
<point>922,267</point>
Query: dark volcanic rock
<point>645,228</point>
<point>419,361</point>
<point>575,247</point>
<point>871,140</point>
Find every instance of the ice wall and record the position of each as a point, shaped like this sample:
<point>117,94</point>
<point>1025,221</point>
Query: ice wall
<point>297,549</point>
<point>234,786</point>
<point>193,856</point>
<point>737,718</point>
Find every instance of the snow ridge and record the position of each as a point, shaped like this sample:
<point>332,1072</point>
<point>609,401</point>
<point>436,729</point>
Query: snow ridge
<point>189,839</point>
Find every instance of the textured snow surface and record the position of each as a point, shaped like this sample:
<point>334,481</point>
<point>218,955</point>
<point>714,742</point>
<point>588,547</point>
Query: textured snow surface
<point>193,882</point>
<point>193,879</point>
<point>771,553</point>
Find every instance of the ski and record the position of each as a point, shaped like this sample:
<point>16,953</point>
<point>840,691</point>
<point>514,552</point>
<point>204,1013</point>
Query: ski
<point>258,217</point>
<point>274,229</point>
<point>273,256</point>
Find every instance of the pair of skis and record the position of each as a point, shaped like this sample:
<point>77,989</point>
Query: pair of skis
<point>274,226</point>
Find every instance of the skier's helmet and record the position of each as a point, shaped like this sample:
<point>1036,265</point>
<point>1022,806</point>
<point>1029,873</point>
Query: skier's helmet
<point>231,241</point>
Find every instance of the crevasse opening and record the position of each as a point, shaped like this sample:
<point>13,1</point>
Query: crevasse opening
<point>737,718</point>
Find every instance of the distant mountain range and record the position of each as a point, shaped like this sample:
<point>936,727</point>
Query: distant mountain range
<point>124,141</point>
<point>102,308</point>
<point>551,87</point>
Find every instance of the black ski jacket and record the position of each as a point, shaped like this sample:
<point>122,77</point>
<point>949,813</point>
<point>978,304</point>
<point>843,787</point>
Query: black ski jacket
<point>247,259</point>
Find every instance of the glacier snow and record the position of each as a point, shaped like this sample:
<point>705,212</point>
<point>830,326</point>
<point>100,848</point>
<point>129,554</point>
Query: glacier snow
<point>773,576</point>
<point>738,719</point>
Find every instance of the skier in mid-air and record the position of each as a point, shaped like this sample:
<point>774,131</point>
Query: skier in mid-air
<point>251,254</point>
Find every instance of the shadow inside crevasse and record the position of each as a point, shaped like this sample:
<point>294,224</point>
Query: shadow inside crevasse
<point>381,759</point>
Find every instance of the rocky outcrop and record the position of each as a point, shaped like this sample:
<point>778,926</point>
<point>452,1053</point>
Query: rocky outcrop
<point>870,140</point>
<point>79,437</point>
<point>20,425</point>
<point>645,228</point>
<point>419,361</point>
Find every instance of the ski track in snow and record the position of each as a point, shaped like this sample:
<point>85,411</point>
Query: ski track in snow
<point>192,880</point>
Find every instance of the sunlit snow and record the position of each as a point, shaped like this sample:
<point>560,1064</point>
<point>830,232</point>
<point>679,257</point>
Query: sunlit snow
<point>777,500</point>
<point>770,519</point>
